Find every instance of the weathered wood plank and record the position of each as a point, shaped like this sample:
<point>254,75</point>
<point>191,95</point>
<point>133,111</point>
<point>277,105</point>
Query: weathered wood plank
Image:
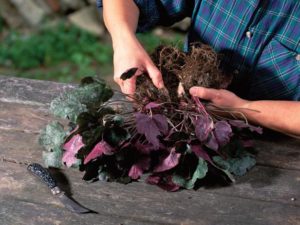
<point>34,92</point>
<point>282,152</point>
<point>263,183</point>
<point>20,211</point>
<point>22,117</point>
<point>136,204</point>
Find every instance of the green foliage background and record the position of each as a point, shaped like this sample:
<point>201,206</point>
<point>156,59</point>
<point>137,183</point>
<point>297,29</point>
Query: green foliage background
<point>63,53</point>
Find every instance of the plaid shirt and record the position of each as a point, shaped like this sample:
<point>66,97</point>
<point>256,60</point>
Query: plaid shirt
<point>257,37</point>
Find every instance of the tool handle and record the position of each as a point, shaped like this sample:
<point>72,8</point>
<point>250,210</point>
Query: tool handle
<point>43,174</point>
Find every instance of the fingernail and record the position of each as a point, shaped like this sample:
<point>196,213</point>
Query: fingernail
<point>161,85</point>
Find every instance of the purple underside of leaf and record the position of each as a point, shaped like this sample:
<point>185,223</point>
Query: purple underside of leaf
<point>203,127</point>
<point>71,149</point>
<point>152,105</point>
<point>200,152</point>
<point>242,124</point>
<point>151,127</point>
<point>69,159</point>
<point>212,142</point>
<point>137,170</point>
<point>102,148</point>
<point>169,162</point>
<point>223,132</point>
<point>161,123</point>
<point>163,181</point>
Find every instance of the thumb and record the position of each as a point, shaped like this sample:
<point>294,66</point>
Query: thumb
<point>155,76</point>
<point>209,94</point>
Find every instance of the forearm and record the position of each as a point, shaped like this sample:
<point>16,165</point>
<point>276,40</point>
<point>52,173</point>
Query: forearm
<point>121,19</point>
<point>283,116</point>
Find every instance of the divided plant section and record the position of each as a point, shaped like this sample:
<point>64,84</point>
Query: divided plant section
<point>178,140</point>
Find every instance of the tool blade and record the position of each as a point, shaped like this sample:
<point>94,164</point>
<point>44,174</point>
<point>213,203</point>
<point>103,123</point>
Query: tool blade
<point>73,205</point>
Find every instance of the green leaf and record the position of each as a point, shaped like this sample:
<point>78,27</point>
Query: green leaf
<point>115,135</point>
<point>199,173</point>
<point>221,162</point>
<point>67,107</point>
<point>86,81</point>
<point>53,159</point>
<point>52,137</point>
<point>91,136</point>
<point>88,96</point>
<point>118,120</point>
<point>237,166</point>
<point>240,167</point>
<point>94,93</point>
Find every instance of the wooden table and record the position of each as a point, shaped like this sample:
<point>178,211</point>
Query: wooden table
<point>268,195</point>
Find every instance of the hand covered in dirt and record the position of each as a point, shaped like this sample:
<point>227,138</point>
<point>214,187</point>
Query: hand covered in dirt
<point>220,98</point>
<point>132,55</point>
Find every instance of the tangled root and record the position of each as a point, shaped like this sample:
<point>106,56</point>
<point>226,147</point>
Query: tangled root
<point>198,67</point>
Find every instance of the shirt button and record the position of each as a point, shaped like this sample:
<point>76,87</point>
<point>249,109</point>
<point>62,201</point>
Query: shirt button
<point>248,34</point>
<point>298,57</point>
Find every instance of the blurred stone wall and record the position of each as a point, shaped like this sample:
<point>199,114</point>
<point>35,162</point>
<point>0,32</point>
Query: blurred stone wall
<point>36,13</point>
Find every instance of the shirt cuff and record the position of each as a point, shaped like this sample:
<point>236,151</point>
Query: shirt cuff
<point>149,14</point>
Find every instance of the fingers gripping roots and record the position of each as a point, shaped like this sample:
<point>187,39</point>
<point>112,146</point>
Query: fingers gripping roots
<point>198,67</point>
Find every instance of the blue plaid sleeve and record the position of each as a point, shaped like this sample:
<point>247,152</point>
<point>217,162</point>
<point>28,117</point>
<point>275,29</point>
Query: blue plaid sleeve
<point>160,12</point>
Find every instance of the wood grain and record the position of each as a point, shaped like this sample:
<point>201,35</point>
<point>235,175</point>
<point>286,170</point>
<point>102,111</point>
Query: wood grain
<point>137,203</point>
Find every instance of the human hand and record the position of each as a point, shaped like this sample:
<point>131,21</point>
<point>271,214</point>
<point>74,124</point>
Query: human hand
<point>132,55</point>
<point>220,98</point>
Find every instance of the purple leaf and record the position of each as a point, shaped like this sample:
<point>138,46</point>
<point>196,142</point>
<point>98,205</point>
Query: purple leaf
<point>242,124</point>
<point>258,130</point>
<point>137,169</point>
<point>163,181</point>
<point>169,162</point>
<point>223,132</point>
<point>72,147</point>
<point>152,105</point>
<point>198,150</point>
<point>135,172</point>
<point>101,148</point>
<point>162,123</point>
<point>203,127</point>
<point>212,142</point>
<point>151,127</point>
<point>153,179</point>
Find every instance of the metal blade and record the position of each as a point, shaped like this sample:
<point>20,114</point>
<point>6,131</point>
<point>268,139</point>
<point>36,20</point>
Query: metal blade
<point>72,205</point>
<point>45,176</point>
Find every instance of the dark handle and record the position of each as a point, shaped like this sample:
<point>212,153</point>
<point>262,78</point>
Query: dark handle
<point>42,173</point>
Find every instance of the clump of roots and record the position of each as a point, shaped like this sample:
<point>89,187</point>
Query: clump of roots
<point>198,67</point>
